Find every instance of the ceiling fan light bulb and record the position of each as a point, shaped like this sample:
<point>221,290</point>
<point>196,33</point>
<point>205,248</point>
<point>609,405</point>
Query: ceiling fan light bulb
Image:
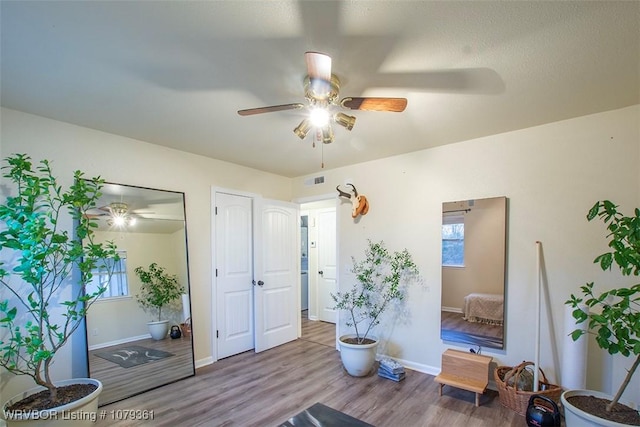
<point>302,129</point>
<point>345,120</point>
<point>319,117</point>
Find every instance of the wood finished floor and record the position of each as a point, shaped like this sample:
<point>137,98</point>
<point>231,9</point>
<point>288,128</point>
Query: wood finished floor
<point>456,322</point>
<point>266,389</point>
<point>319,332</point>
<point>120,383</point>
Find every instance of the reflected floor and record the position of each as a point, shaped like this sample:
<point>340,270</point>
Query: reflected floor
<point>120,383</point>
<point>456,329</point>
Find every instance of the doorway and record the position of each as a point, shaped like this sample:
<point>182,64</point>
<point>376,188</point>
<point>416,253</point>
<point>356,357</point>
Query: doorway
<point>255,273</point>
<point>319,273</point>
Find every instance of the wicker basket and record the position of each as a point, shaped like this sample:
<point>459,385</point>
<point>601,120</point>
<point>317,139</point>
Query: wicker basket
<point>518,400</point>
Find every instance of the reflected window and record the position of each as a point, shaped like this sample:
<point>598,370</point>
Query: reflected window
<point>115,287</point>
<point>453,240</point>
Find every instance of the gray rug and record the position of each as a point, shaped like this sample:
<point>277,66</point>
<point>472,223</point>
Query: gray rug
<point>320,415</point>
<point>133,355</point>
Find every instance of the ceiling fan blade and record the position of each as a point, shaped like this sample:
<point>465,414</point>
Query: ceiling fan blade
<point>93,216</point>
<point>318,66</point>
<point>99,211</point>
<point>271,109</point>
<point>375,104</point>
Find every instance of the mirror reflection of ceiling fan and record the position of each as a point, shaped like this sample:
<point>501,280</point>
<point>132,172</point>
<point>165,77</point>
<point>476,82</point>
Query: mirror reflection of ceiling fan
<point>321,89</point>
<point>118,214</point>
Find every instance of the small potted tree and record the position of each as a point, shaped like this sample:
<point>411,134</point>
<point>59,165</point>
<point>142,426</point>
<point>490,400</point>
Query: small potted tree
<point>44,273</point>
<point>613,317</point>
<point>158,289</point>
<point>382,280</point>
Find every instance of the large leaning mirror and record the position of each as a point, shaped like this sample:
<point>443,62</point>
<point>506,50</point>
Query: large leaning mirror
<point>473,271</point>
<point>148,227</point>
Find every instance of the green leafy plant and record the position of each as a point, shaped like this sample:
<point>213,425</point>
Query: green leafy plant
<point>40,260</point>
<point>616,320</point>
<point>158,288</point>
<point>382,278</point>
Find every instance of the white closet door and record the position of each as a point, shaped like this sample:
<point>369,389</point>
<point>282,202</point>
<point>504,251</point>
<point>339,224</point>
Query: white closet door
<point>277,273</point>
<point>234,274</point>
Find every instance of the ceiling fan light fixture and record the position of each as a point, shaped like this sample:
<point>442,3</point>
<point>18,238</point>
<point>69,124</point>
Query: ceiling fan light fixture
<point>121,221</point>
<point>319,117</point>
<point>119,216</point>
<point>118,209</point>
<point>303,128</point>
<point>345,120</point>
<point>117,221</point>
<point>327,135</point>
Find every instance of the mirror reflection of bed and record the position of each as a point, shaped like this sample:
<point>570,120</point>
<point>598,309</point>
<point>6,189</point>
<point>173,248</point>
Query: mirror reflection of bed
<point>473,272</point>
<point>122,355</point>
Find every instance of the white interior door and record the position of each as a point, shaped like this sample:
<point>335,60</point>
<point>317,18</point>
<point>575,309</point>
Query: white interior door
<point>327,264</point>
<point>277,273</point>
<point>234,273</point>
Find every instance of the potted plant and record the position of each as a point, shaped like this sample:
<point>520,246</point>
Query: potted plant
<point>44,273</point>
<point>158,289</point>
<point>613,317</point>
<point>382,280</point>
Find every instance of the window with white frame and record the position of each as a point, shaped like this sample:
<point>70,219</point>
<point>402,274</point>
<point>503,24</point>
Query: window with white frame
<point>117,285</point>
<point>453,240</point>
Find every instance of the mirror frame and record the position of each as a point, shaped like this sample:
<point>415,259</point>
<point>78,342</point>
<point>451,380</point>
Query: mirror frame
<point>150,371</point>
<point>461,322</point>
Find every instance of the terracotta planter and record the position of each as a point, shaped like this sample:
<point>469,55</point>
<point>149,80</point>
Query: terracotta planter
<point>357,359</point>
<point>158,330</point>
<point>81,413</point>
<point>575,417</point>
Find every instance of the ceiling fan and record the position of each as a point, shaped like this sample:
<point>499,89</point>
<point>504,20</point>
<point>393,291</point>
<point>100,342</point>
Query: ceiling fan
<point>321,89</point>
<point>119,214</point>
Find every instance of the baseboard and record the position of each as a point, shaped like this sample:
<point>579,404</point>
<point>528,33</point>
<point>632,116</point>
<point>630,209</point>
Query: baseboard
<point>425,369</point>
<point>204,362</point>
<point>452,309</point>
<point>117,342</point>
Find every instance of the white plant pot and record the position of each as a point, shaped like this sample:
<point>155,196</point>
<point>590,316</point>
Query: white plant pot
<point>158,330</point>
<point>575,417</point>
<point>81,413</point>
<point>357,359</point>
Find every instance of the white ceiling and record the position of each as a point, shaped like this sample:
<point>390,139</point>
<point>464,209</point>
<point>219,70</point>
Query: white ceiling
<point>175,73</point>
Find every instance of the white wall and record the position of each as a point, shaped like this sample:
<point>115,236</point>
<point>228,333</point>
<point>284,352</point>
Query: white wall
<point>552,175</point>
<point>127,161</point>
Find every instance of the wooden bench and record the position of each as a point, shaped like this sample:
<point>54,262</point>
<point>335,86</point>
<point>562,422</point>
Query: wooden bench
<point>468,371</point>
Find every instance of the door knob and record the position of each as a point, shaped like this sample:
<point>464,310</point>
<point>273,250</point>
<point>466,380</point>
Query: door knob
<point>321,272</point>
<point>260,283</point>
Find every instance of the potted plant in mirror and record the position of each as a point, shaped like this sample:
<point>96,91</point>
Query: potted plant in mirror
<point>45,273</point>
<point>158,289</point>
<point>613,317</point>
<point>382,280</point>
